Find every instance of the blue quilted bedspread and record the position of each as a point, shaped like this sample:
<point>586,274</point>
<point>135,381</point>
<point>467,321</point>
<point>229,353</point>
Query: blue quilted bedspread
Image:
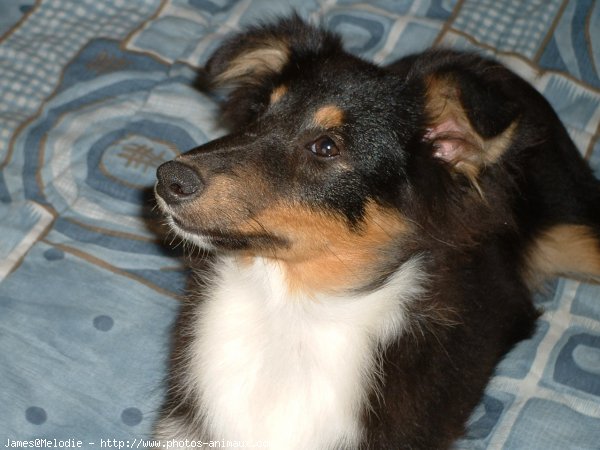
<point>94,94</point>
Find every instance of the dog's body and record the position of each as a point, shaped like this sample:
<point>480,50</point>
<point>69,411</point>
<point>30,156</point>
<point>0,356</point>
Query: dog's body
<point>378,232</point>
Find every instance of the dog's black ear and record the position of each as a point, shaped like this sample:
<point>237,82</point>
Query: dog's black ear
<point>471,119</point>
<point>249,58</point>
<point>263,51</point>
<point>252,64</point>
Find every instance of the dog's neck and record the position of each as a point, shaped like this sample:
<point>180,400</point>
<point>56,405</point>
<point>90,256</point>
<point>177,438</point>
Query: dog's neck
<point>271,365</point>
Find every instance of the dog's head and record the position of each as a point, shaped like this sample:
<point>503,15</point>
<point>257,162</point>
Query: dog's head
<point>335,166</point>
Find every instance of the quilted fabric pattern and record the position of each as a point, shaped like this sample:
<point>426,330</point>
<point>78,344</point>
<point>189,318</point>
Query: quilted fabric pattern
<point>96,94</point>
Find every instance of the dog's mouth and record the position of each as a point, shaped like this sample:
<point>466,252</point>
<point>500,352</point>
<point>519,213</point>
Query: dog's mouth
<point>233,240</point>
<point>218,238</point>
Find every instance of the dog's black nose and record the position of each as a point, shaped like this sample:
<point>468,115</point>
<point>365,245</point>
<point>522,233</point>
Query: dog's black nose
<point>177,182</point>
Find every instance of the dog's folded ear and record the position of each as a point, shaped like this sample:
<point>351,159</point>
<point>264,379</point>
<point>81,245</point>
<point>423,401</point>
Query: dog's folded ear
<point>263,51</point>
<point>248,58</point>
<point>471,120</point>
<point>252,64</point>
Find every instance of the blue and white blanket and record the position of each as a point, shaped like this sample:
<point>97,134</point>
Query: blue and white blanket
<point>95,94</point>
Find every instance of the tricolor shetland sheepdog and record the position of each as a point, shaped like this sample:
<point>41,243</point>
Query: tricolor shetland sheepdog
<point>377,232</point>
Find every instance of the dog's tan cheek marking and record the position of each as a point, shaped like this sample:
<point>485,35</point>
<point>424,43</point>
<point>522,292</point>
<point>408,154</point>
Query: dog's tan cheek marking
<point>329,116</point>
<point>564,250</point>
<point>278,93</point>
<point>325,254</point>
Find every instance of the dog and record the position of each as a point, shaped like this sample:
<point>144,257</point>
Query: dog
<point>377,233</point>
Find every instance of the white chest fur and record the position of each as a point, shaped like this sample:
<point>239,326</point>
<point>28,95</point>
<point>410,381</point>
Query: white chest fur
<point>294,372</point>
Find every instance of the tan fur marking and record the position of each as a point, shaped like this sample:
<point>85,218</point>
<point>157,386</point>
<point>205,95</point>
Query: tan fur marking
<point>325,255</point>
<point>278,93</point>
<point>571,250</point>
<point>269,57</point>
<point>329,116</point>
<point>495,147</point>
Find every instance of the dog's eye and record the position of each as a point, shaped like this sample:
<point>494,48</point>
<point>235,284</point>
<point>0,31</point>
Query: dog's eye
<point>324,147</point>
